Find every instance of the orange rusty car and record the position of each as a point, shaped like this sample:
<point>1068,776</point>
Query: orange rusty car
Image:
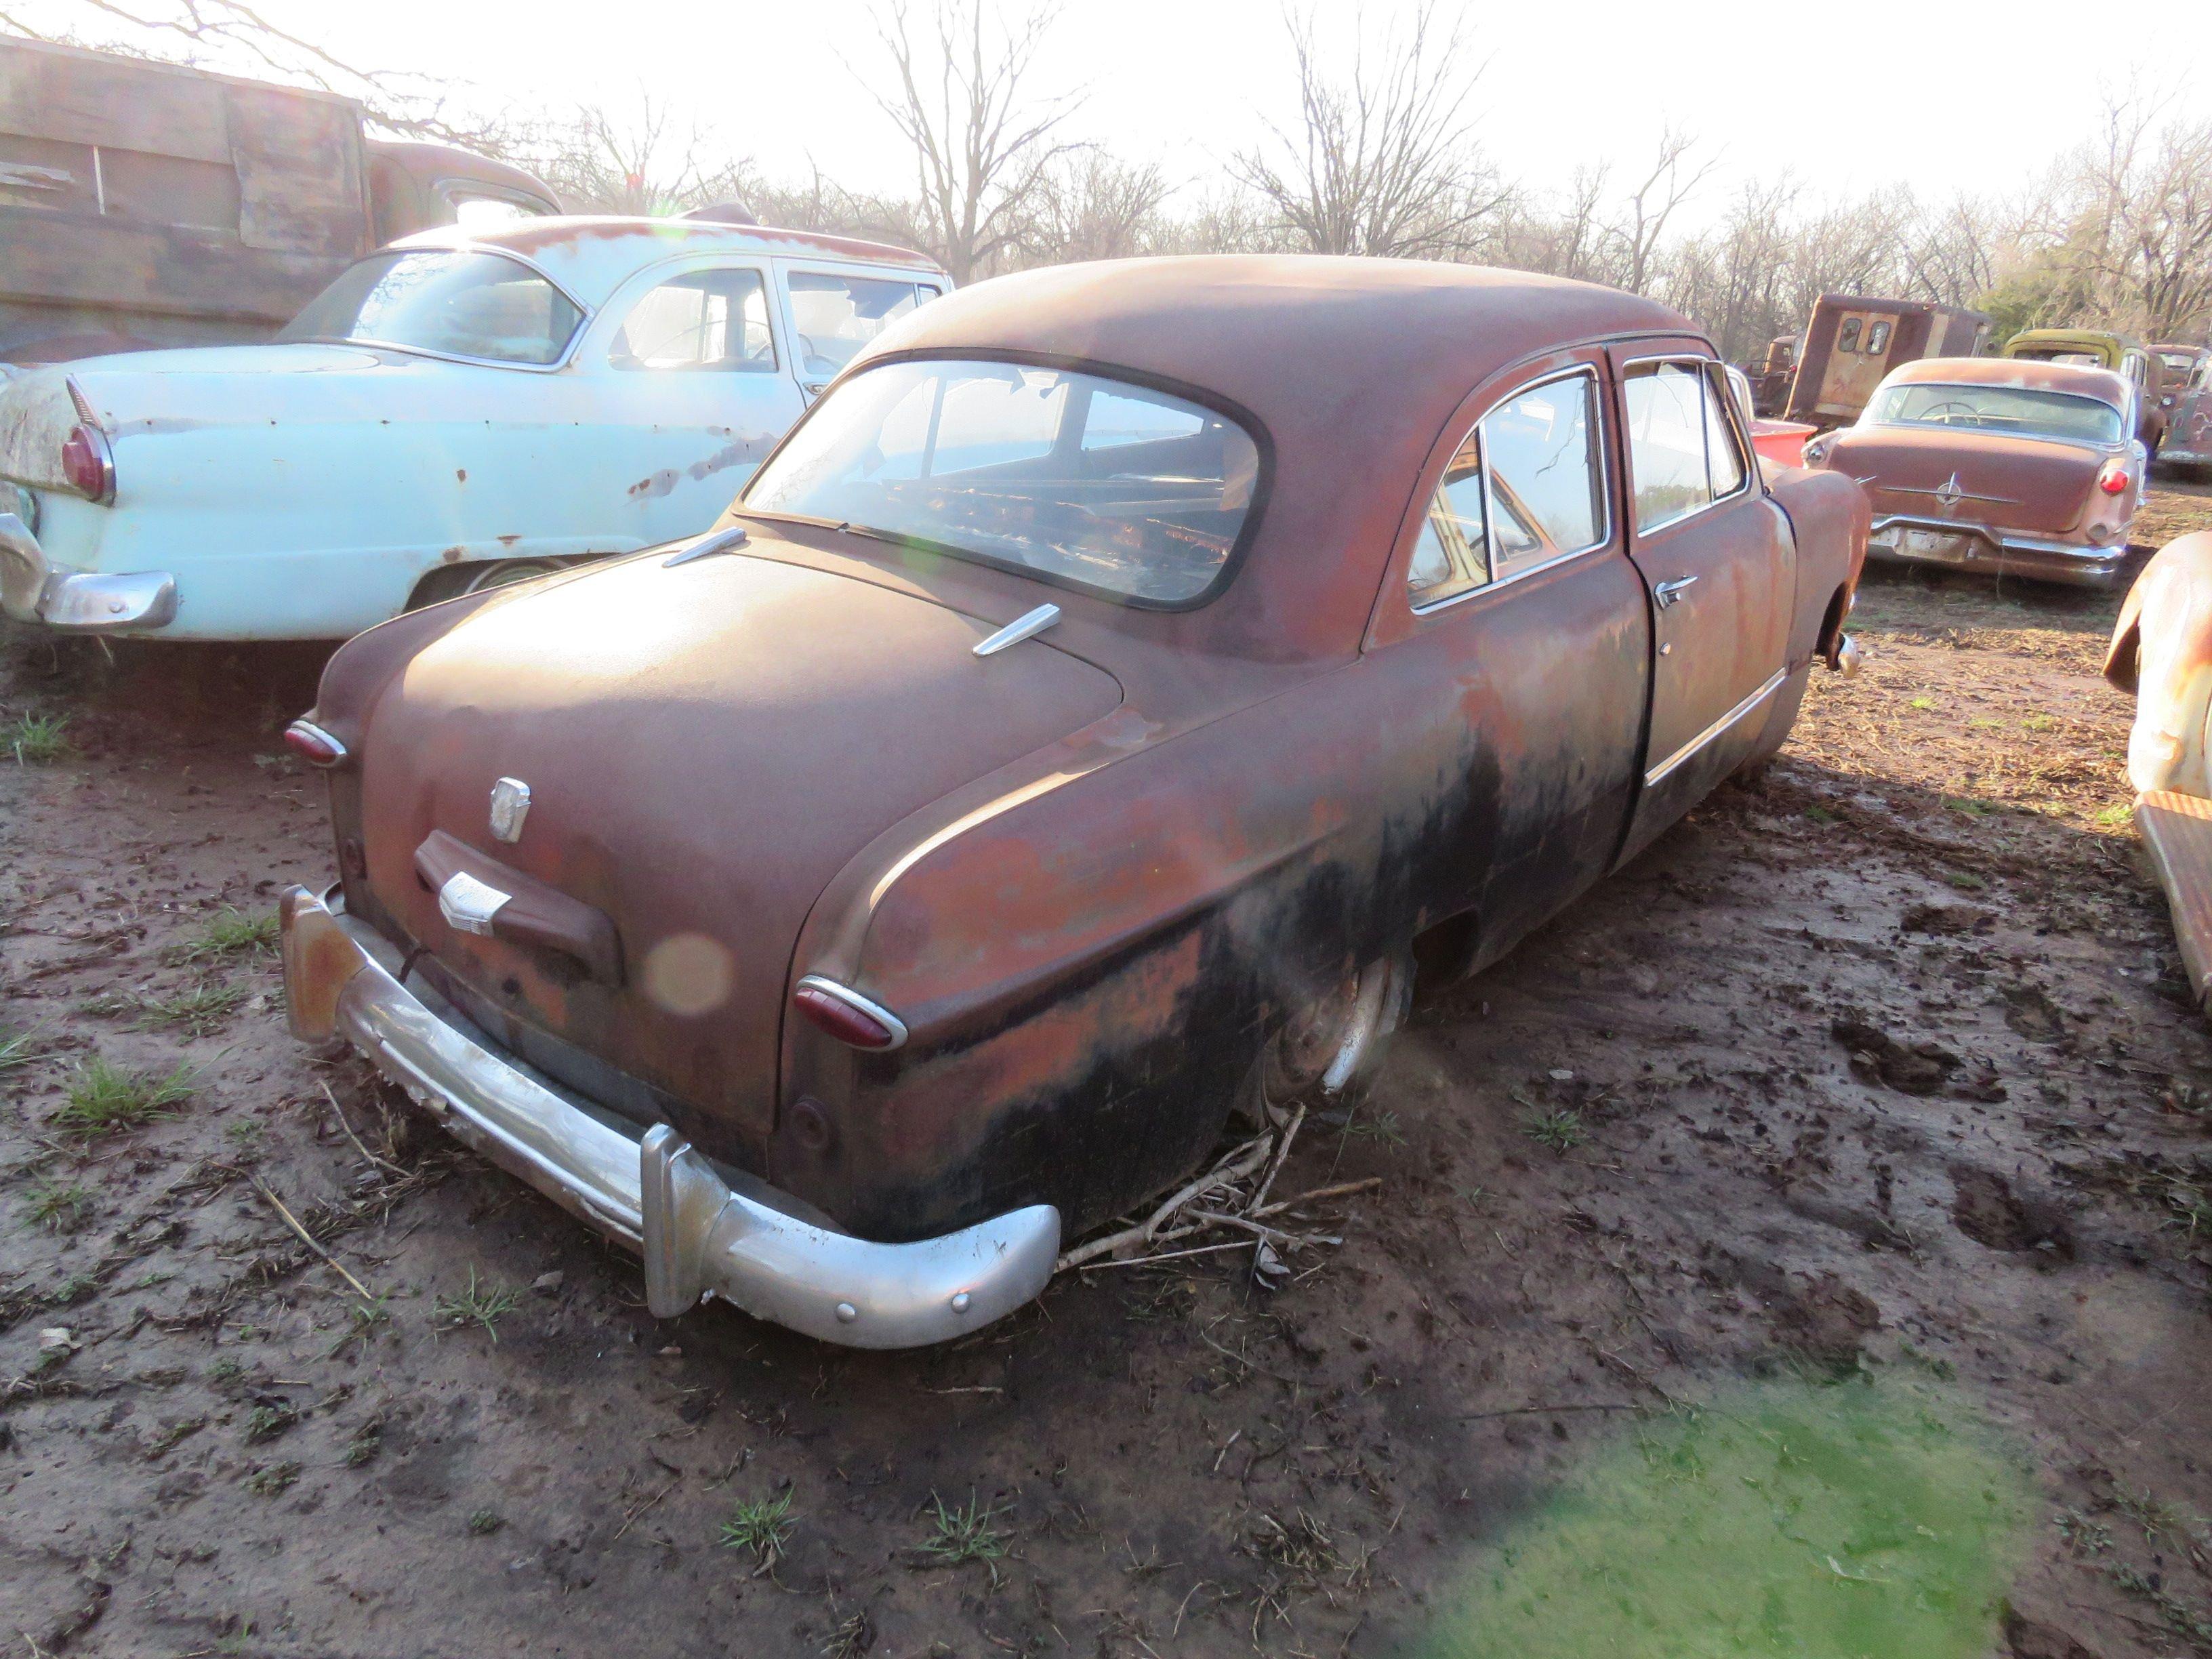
<point>2019,468</point>
<point>1076,732</point>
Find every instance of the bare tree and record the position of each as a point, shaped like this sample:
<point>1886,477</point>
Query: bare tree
<point>1384,161</point>
<point>640,160</point>
<point>192,31</point>
<point>980,142</point>
<point>1089,206</point>
<point>1634,238</point>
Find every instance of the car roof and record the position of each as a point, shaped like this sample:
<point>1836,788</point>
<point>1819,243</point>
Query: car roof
<point>2106,385</point>
<point>591,255</point>
<point>2062,337</point>
<point>1352,368</point>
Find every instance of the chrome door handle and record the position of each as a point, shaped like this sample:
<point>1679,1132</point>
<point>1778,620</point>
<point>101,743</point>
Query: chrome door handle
<point>1665,593</point>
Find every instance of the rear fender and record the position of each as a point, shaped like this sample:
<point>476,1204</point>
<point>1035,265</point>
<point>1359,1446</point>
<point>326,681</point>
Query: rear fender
<point>1830,518</point>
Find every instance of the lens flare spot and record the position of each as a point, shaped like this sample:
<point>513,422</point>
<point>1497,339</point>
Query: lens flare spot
<point>688,974</point>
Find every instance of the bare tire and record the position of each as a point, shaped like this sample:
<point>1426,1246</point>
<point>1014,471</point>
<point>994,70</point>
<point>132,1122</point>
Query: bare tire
<point>1327,1050</point>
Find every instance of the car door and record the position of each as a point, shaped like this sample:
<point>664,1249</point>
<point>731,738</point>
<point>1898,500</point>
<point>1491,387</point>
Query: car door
<point>833,310</point>
<point>1513,641</point>
<point>1717,560</point>
<point>694,388</point>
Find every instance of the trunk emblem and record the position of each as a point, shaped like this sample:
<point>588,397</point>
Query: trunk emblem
<point>510,805</point>
<point>1949,494</point>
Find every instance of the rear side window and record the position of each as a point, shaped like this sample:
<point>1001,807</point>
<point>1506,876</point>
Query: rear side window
<point>1682,452</point>
<point>708,320</point>
<point>1525,488</point>
<point>835,316</point>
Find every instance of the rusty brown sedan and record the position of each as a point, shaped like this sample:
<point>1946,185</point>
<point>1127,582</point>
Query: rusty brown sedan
<point>1075,733</point>
<point>2013,467</point>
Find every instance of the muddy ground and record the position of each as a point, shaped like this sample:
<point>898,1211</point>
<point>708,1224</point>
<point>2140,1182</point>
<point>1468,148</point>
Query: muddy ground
<point>1874,1082</point>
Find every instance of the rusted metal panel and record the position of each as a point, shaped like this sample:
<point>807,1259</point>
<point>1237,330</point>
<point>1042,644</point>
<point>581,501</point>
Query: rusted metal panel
<point>90,98</point>
<point>2177,832</point>
<point>302,179</point>
<point>2162,653</point>
<point>1851,341</point>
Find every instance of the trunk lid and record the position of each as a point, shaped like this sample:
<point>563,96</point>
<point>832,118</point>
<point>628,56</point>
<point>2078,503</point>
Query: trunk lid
<point>2034,485</point>
<point>704,748</point>
<point>155,392</point>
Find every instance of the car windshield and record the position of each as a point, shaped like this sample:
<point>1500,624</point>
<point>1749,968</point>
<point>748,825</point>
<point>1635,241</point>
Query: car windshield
<point>1998,408</point>
<point>455,301</point>
<point>1096,482</point>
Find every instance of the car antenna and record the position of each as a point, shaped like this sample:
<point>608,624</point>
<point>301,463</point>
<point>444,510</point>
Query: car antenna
<point>721,541</point>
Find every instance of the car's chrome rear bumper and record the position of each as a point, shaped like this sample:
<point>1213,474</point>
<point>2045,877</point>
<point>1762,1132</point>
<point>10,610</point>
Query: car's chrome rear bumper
<point>33,591</point>
<point>657,1195</point>
<point>1901,540</point>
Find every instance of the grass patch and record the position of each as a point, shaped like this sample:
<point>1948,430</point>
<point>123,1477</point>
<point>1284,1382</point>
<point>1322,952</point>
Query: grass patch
<point>484,1523</point>
<point>1923,704</point>
<point>232,933</point>
<point>1560,1131</point>
<point>479,1304</point>
<point>267,1422</point>
<point>200,1010</point>
<point>2118,816</point>
<point>959,1535</point>
<point>273,1479</point>
<point>1382,1128</point>
<point>16,1049</point>
<point>760,1525</point>
<point>104,1099</point>
<point>1824,1522</point>
<point>58,1209</point>
<point>36,740</point>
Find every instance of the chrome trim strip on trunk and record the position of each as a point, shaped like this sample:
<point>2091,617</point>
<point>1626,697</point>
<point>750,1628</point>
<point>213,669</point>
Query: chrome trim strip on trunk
<point>1658,773</point>
<point>699,1237</point>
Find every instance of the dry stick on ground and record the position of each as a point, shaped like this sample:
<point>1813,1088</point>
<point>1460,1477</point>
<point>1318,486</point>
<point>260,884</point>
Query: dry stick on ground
<point>308,1239</point>
<point>339,1111</point>
<point>1198,1207</point>
<point>1234,1166</point>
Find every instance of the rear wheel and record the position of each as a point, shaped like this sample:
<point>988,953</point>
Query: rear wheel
<point>452,581</point>
<point>1328,1050</point>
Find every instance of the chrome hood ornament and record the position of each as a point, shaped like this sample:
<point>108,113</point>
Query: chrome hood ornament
<point>510,805</point>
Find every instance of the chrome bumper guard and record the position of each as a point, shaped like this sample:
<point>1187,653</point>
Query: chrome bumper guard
<point>658,1196</point>
<point>33,591</point>
<point>1978,547</point>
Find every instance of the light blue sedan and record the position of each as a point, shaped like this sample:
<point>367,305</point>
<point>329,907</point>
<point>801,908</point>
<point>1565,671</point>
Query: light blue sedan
<point>460,408</point>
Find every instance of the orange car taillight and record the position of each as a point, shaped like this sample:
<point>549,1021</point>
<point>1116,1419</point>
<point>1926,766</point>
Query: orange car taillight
<point>845,1014</point>
<point>312,745</point>
<point>2114,479</point>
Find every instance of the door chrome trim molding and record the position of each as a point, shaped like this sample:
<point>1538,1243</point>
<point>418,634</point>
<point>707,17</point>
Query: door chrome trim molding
<point>1658,773</point>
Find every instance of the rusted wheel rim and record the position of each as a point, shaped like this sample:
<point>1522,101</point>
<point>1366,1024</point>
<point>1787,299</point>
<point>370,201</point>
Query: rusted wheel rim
<point>1328,1040</point>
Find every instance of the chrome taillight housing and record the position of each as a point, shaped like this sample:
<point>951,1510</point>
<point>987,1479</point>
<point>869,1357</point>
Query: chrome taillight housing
<point>843,1014</point>
<point>88,465</point>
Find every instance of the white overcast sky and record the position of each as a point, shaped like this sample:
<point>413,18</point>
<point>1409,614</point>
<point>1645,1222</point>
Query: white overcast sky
<point>1848,94</point>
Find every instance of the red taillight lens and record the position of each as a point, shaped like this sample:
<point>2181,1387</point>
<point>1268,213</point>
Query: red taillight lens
<point>85,463</point>
<point>2113,480</point>
<point>312,745</point>
<point>846,1016</point>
